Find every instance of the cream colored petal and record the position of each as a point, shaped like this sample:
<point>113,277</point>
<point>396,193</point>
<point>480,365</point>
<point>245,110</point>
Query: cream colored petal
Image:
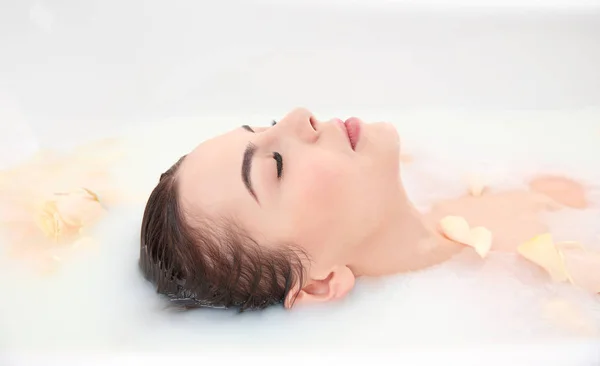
<point>476,184</point>
<point>79,208</point>
<point>93,196</point>
<point>481,240</point>
<point>456,228</point>
<point>541,251</point>
<point>49,220</point>
<point>67,212</point>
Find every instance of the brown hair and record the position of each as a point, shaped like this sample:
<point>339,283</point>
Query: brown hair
<point>212,263</point>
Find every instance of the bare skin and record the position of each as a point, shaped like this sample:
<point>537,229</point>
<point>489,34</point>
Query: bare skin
<point>563,190</point>
<point>514,216</point>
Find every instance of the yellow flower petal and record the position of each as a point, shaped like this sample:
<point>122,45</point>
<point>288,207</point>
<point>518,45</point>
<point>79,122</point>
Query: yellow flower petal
<point>49,220</point>
<point>481,240</point>
<point>79,208</point>
<point>541,251</point>
<point>456,228</point>
<point>476,184</point>
<point>68,213</point>
<point>93,196</point>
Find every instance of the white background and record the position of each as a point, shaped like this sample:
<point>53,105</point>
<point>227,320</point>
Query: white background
<point>73,69</point>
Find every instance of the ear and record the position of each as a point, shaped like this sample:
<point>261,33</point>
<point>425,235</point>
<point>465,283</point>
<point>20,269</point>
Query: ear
<point>336,285</point>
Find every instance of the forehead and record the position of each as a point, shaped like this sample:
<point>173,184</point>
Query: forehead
<point>210,175</point>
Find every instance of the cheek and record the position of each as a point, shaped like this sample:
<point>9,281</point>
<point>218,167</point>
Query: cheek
<point>323,182</point>
<point>318,198</point>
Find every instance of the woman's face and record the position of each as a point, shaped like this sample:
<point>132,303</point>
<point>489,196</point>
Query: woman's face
<point>301,181</point>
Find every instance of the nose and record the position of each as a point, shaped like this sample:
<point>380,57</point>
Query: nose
<point>300,123</point>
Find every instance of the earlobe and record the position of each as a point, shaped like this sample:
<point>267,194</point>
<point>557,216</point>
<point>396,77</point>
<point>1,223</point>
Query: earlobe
<point>335,286</point>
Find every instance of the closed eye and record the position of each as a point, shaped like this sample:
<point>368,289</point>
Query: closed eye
<point>279,160</point>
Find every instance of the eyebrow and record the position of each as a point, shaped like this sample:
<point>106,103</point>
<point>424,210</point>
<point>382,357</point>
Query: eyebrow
<point>247,169</point>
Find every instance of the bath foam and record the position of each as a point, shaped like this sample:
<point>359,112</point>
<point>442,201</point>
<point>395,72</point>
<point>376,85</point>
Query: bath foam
<point>100,302</point>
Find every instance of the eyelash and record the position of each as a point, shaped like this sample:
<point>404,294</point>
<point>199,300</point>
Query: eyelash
<point>277,156</point>
<point>279,159</point>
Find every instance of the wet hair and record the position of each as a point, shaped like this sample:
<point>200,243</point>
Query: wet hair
<point>199,261</point>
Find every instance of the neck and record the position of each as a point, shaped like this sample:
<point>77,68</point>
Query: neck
<point>406,242</point>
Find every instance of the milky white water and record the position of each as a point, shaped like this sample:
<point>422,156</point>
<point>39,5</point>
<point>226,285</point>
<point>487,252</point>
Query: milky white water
<point>98,301</point>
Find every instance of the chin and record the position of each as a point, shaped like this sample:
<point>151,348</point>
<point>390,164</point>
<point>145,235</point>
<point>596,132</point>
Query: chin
<point>393,132</point>
<point>382,147</point>
<point>391,140</point>
<point>387,132</point>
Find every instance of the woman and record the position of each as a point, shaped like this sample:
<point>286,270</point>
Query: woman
<point>295,212</point>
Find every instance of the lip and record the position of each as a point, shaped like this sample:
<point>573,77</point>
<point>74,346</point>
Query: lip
<point>344,129</point>
<point>352,128</point>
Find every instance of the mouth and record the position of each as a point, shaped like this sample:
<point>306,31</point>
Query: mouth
<point>352,128</point>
